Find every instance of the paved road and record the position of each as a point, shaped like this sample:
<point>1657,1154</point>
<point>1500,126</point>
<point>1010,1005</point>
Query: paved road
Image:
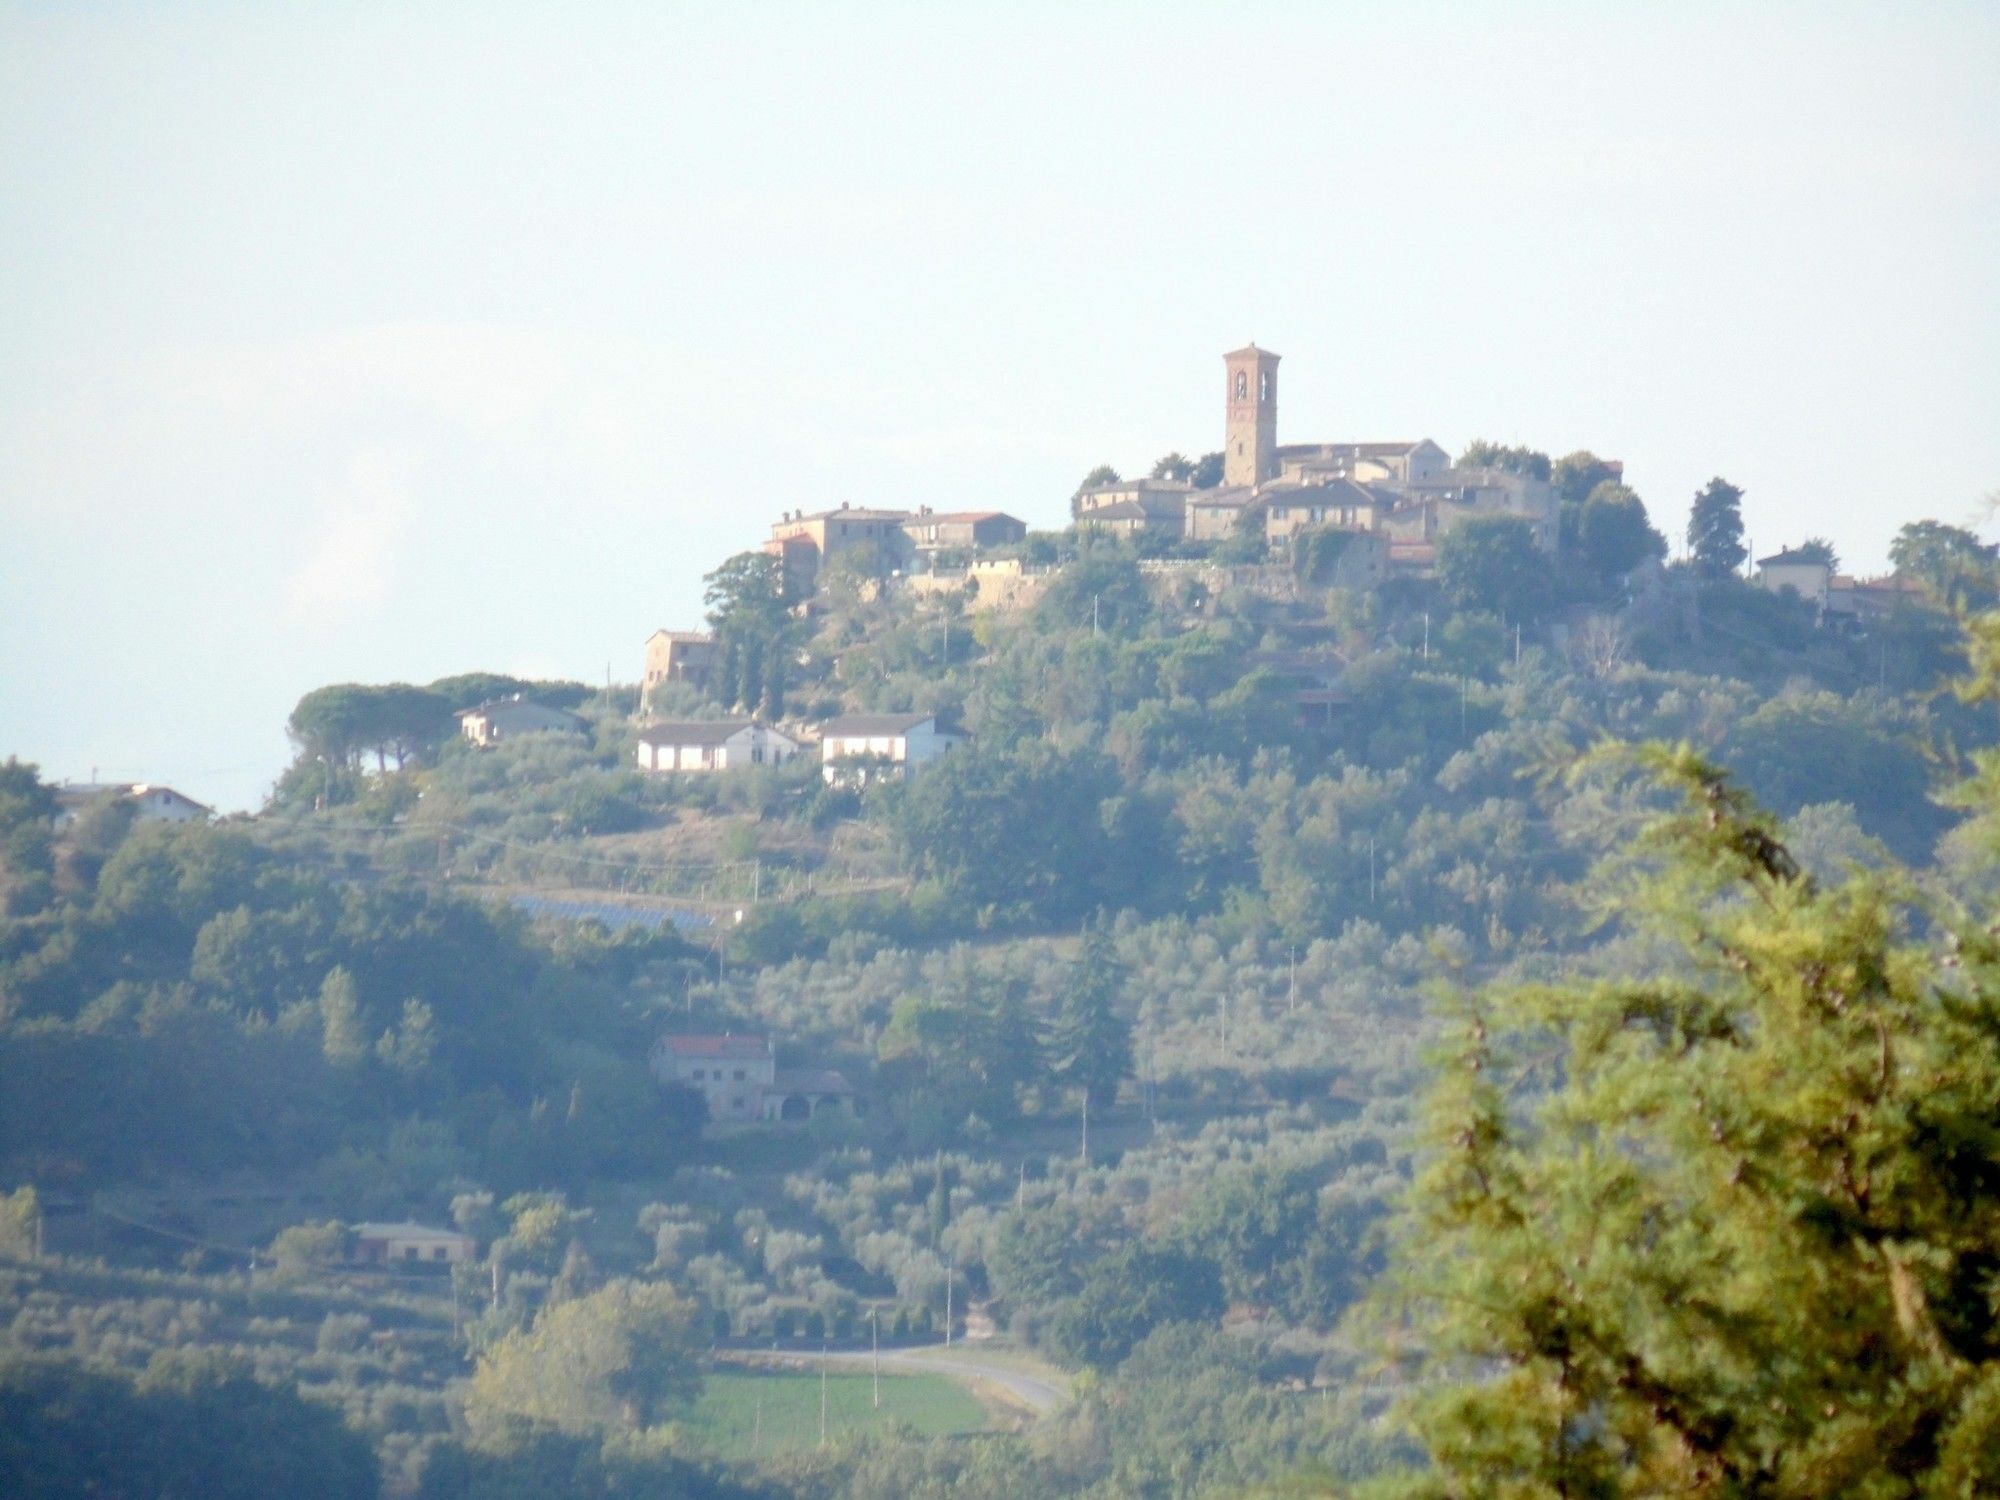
<point>1039,1394</point>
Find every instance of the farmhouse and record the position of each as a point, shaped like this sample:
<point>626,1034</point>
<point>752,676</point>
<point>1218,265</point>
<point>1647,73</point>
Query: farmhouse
<point>739,1078</point>
<point>855,748</point>
<point>149,803</point>
<point>510,718</point>
<point>714,745</point>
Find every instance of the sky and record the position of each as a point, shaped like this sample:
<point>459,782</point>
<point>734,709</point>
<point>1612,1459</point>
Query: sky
<point>376,343</point>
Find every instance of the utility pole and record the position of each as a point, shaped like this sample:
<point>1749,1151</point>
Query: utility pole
<point>949,1268</point>
<point>1427,635</point>
<point>1517,643</point>
<point>1093,615</point>
<point>875,1353</point>
<point>1083,1154</point>
<point>1021,1188</point>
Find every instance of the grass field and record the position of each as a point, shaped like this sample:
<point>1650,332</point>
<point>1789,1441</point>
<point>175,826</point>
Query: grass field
<point>729,1420</point>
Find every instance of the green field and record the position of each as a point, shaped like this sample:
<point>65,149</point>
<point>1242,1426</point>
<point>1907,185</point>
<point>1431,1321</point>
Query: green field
<point>727,1417</point>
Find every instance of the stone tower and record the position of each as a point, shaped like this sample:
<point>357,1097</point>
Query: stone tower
<point>1250,435</point>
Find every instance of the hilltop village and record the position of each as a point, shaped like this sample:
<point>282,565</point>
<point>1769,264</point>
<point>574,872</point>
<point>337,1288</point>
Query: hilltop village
<point>1256,515</point>
<point>1035,942</point>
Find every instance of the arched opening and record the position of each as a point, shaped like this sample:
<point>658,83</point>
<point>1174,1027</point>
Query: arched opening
<point>1242,384</point>
<point>795,1107</point>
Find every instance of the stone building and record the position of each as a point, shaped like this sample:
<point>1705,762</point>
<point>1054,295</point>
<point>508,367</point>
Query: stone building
<point>678,656</point>
<point>962,530</point>
<point>810,543</point>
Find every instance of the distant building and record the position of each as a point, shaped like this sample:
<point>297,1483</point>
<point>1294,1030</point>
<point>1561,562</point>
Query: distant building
<point>1365,463</point>
<point>1432,506</point>
<point>1342,504</point>
<point>857,748</point>
<point>730,1072</point>
<point>150,803</point>
<point>714,745</point>
<point>809,544</point>
<point>1863,599</point>
<point>1214,515</point>
<point>678,656</point>
<point>739,1078</point>
<point>796,1094</point>
<point>1250,425</point>
<point>399,1244</point>
<point>1806,574</point>
<point>1313,678</point>
<point>963,530</point>
<point>510,718</point>
<point>1126,507</point>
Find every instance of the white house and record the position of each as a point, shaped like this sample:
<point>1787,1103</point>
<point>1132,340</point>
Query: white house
<point>1806,574</point>
<point>854,747</point>
<point>730,1072</point>
<point>150,803</point>
<point>397,1244</point>
<point>714,745</point>
<point>740,1079</point>
<point>508,718</point>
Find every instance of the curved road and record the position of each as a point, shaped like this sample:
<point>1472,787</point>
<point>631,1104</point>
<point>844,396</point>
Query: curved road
<point>1039,1394</point>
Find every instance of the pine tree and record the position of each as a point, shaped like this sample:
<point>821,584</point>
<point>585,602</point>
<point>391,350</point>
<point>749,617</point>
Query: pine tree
<point>1729,1228</point>
<point>1715,529</point>
<point>1090,1044</point>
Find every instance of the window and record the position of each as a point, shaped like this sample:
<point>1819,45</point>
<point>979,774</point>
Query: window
<point>1264,388</point>
<point>739,1075</point>
<point>697,1074</point>
<point>1242,384</point>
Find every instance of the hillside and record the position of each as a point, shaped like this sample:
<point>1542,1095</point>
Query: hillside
<point>1134,984</point>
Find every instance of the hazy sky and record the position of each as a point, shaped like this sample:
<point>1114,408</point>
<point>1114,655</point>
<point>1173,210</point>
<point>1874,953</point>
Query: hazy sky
<point>343,342</point>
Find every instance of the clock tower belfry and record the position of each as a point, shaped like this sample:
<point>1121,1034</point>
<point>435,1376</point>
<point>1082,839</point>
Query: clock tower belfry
<point>1250,431</point>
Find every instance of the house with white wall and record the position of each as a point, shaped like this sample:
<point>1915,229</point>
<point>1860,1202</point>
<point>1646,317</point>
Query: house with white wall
<point>714,745</point>
<point>150,802</point>
<point>857,748</point>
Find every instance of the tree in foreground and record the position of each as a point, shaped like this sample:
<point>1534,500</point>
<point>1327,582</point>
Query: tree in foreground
<point>1731,1227</point>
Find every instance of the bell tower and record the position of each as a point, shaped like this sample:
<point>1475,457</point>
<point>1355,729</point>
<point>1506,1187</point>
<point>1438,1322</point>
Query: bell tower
<point>1250,430</point>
